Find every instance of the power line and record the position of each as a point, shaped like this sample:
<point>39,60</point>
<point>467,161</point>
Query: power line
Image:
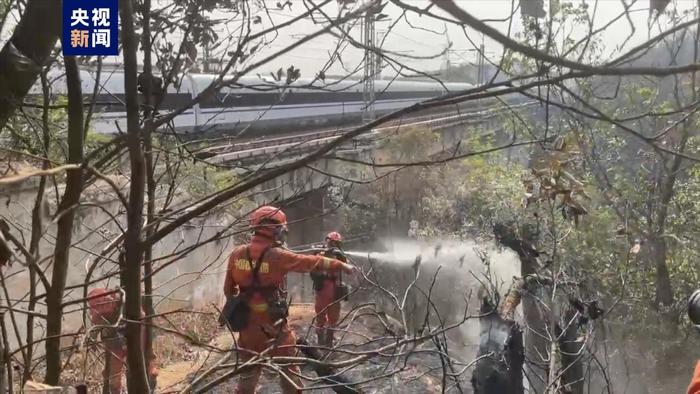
<point>410,39</point>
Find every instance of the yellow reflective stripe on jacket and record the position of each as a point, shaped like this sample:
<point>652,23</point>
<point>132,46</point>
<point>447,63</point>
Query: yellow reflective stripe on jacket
<point>244,265</point>
<point>327,263</point>
<point>262,307</point>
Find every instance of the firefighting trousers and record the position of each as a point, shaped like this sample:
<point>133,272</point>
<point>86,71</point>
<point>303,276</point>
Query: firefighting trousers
<point>115,360</point>
<point>258,338</point>
<point>327,310</point>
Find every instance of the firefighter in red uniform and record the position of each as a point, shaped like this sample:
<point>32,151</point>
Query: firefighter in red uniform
<point>105,313</point>
<point>327,287</point>
<point>694,315</point>
<point>256,274</point>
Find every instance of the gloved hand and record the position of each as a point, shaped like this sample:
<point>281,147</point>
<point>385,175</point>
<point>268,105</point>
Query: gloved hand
<point>349,268</point>
<point>336,252</point>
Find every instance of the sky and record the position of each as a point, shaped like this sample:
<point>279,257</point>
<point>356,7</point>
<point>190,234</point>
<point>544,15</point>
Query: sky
<point>427,37</point>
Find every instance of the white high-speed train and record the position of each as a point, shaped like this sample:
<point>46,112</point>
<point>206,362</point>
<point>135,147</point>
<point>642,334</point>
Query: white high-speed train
<point>262,105</point>
<point>259,104</point>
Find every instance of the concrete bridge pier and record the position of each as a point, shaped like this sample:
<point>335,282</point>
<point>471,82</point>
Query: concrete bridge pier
<point>307,224</point>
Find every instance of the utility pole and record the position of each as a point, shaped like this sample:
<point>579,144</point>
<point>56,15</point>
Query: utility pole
<point>378,60</point>
<point>446,62</point>
<point>481,72</point>
<point>447,65</point>
<point>206,65</point>
<point>368,40</point>
<point>482,61</point>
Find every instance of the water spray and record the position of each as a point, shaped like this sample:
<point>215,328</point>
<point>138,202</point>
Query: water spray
<point>413,254</point>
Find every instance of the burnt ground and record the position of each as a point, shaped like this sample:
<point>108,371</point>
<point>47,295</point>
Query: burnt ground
<point>418,370</point>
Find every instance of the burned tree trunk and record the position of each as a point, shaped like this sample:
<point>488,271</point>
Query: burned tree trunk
<point>535,338</point>
<point>570,351</point>
<point>328,375</point>
<point>501,350</point>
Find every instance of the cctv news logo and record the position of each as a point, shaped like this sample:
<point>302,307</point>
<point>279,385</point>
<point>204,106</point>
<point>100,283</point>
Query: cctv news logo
<point>90,28</point>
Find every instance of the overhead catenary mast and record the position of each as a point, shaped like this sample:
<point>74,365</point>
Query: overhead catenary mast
<point>369,66</point>
<point>370,62</point>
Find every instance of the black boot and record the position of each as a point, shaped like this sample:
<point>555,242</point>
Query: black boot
<point>329,338</point>
<point>152,383</point>
<point>321,337</point>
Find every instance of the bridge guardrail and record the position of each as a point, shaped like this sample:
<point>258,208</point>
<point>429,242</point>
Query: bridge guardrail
<point>286,146</point>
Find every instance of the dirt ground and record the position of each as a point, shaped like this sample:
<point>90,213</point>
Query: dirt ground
<point>415,377</point>
<point>172,377</point>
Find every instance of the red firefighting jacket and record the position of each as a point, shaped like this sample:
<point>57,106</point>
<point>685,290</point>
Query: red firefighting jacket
<point>694,387</point>
<point>274,267</point>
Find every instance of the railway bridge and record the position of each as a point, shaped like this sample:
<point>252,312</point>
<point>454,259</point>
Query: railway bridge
<point>303,192</point>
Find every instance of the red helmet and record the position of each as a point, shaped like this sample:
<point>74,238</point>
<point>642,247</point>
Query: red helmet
<point>101,303</point>
<point>267,214</point>
<point>334,236</point>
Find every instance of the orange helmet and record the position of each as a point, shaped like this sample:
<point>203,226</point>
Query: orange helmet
<point>270,222</point>
<point>334,236</point>
<point>268,214</point>
<point>101,303</point>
